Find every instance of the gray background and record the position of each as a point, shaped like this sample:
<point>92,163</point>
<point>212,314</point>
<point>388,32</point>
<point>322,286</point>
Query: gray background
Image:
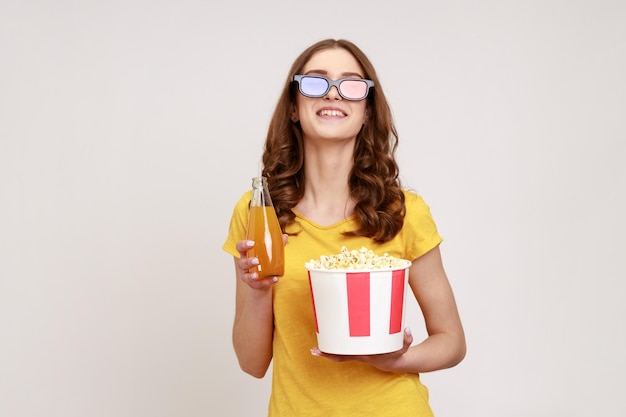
<point>128,129</point>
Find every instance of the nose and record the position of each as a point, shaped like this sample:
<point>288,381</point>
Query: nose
<point>333,93</point>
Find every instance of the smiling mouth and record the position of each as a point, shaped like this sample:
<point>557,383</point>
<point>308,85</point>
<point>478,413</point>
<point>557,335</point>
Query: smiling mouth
<point>331,113</point>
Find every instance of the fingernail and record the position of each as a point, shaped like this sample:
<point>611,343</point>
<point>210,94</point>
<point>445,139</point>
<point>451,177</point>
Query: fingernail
<point>315,352</point>
<point>254,261</point>
<point>250,243</point>
<point>274,279</point>
<point>407,331</point>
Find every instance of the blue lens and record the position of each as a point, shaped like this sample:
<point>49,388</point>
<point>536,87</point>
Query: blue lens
<point>313,86</point>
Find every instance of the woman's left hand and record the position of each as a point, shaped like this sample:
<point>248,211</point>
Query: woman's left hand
<point>385,362</point>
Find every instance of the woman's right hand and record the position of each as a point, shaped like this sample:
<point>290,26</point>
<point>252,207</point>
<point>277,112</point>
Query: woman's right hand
<point>244,264</point>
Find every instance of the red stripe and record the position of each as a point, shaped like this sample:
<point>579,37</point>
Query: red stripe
<point>317,328</point>
<point>358,285</point>
<point>397,301</point>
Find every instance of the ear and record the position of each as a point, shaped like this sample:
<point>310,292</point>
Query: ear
<point>294,114</point>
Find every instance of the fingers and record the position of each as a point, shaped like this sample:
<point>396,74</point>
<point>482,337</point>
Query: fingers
<point>408,338</point>
<point>243,246</point>
<point>245,263</point>
<point>247,272</point>
<point>260,284</point>
<point>337,358</point>
<point>385,361</point>
<point>251,278</point>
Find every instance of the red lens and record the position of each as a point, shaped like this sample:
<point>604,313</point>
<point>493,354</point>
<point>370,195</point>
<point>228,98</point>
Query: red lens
<point>353,89</point>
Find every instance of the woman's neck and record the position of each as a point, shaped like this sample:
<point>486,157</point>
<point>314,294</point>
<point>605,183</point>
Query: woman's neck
<point>326,197</point>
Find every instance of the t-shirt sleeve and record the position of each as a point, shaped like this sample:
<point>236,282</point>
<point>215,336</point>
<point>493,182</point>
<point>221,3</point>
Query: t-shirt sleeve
<point>420,230</point>
<point>238,224</point>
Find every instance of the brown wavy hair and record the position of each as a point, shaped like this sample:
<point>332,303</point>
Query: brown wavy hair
<point>374,183</point>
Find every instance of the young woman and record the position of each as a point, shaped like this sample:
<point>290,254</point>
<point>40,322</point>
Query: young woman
<point>333,178</point>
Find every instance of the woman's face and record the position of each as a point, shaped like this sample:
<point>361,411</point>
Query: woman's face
<point>331,117</point>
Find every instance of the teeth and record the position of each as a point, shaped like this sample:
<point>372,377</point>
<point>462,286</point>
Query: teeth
<point>331,113</point>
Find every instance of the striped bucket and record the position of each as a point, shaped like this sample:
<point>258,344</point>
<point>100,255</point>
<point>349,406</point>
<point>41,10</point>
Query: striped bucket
<point>359,312</point>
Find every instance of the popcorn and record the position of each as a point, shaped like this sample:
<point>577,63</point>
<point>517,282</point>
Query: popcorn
<point>363,259</point>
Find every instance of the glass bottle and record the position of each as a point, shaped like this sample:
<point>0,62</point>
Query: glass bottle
<point>264,230</point>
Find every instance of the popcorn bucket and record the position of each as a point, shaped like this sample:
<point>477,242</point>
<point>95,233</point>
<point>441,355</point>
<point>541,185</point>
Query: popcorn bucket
<point>359,312</point>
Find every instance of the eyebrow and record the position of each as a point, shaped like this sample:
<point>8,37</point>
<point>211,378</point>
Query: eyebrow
<point>343,74</point>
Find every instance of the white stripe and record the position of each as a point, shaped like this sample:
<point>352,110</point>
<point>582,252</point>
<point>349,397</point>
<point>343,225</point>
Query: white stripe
<point>331,289</point>
<point>380,302</point>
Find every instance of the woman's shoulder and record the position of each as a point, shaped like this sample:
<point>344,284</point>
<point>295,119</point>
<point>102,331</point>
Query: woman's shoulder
<point>413,200</point>
<point>417,210</point>
<point>419,225</point>
<point>244,199</point>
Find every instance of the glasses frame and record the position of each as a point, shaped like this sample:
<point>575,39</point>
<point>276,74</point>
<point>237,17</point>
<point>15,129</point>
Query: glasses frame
<point>331,83</point>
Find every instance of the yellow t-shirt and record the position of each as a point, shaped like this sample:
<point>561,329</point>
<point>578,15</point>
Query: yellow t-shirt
<point>305,385</point>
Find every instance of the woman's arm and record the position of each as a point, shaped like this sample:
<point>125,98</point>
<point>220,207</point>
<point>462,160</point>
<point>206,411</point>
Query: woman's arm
<point>253,327</point>
<point>445,345</point>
